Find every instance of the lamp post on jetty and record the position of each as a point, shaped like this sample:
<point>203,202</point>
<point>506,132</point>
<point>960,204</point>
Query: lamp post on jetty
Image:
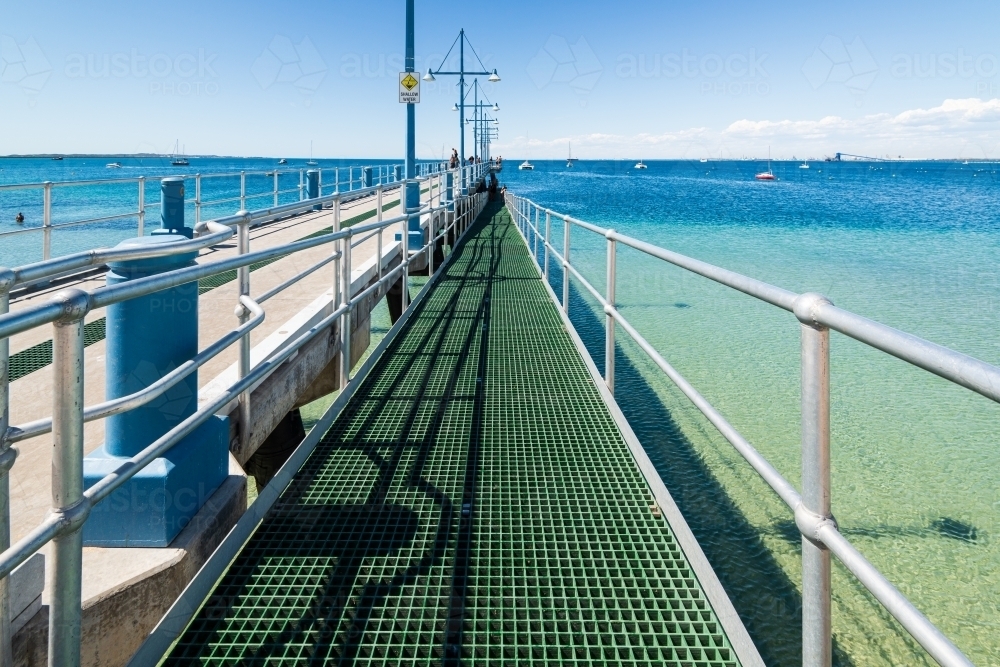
<point>479,118</point>
<point>461,74</point>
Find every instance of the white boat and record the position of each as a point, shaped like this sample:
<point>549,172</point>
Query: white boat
<point>526,166</point>
<point>282,161</point>
<point>804,165</point>
<point>311,162</point>
<point>570,159</point>
<point>704,159</point>
<point>640,165</point>
<point>113,165</point>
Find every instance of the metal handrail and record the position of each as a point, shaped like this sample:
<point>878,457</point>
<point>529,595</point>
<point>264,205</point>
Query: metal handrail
<point>428,168</point>
<point>817,316</point>
<point>67,310</point>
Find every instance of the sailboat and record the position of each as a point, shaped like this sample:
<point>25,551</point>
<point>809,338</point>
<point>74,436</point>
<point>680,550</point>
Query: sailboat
<point>640,165</point>
<point>179,161</point>
<point>570,159</point>
<point>526,166</point>
<point>804,165</point>
<point>766,175</point>
<point>311,162</point>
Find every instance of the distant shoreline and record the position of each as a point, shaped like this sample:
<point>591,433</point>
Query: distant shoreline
<point>49,156</point>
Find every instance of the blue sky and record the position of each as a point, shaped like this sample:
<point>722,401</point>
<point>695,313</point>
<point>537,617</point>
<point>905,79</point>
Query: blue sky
<point>643,79</point>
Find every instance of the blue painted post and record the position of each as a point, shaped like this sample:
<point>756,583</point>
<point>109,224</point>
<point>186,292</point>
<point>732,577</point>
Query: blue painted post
<point>449,184</point>
<point>147,338</point>
<point>172,208</point>
<point>312,186</point>
<point>412,187</point>
<point>397,173</point>
<point>367,179</point>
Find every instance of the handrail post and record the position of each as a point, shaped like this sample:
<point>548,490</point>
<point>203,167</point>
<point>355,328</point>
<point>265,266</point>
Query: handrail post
<point>67,483</point>
<point>565,265</point>
<point>197,199</point>
<point>609,342</point>
<point>816,586</point>
<point>548,233</point>
<point>302,184</point>
<point>378,218</point>
<point>404,250</point>
<point>337,250</point>
<point>345,319</point>
<point>243,191</point>
<point>430,245</point>
<point>142,207</point>
<point>7,456</point>
<point>535,235</point>
<point>243,275</point>
<point>47,220</point>
<point>275,187</point>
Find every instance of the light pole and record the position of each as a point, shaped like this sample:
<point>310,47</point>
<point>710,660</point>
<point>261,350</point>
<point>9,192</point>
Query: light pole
<point>412,187</point>
<point>479,118</point>
<point>461,73</point>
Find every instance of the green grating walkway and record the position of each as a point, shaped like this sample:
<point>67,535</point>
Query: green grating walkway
<point>474,504</point>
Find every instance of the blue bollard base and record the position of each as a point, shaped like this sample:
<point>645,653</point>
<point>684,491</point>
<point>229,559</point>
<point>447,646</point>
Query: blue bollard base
<point>416,240</point>
<point>186,232</point>
<point>150,509</point>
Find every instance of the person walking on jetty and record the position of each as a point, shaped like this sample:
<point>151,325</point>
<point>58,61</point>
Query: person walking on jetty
<point>453,163</point>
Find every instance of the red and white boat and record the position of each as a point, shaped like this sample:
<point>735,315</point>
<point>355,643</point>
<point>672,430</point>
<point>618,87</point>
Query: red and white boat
<point>766,175</point>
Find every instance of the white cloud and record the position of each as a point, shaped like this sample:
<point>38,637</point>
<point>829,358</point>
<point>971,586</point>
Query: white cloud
<point>956,128</point>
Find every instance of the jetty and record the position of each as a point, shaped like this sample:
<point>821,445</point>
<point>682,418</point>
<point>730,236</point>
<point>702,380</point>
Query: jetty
<point>472,494</point>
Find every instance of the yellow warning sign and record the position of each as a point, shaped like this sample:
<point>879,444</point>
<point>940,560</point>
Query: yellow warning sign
<point>409,87</point>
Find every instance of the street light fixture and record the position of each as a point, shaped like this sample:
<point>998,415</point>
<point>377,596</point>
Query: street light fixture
<point>461,40</point>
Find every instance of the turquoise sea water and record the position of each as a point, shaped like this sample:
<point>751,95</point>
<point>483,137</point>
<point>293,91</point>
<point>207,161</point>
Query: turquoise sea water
<point>916,461</point>
<point>84,202</point>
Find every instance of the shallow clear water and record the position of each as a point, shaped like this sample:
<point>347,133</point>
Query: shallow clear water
<point>916,462</point>
<point>85,202</point>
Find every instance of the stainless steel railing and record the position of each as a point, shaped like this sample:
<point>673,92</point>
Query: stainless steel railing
<point>811,508</point>
<point>71,504</point>
<point>354,179</point>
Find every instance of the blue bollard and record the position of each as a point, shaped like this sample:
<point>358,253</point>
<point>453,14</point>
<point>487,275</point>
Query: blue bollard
<point>397,173</point>
<point>172,208</point>
<point>312,186</point>
<point>449,188</point>
<point>147,338</point>
<point>366,177</point>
